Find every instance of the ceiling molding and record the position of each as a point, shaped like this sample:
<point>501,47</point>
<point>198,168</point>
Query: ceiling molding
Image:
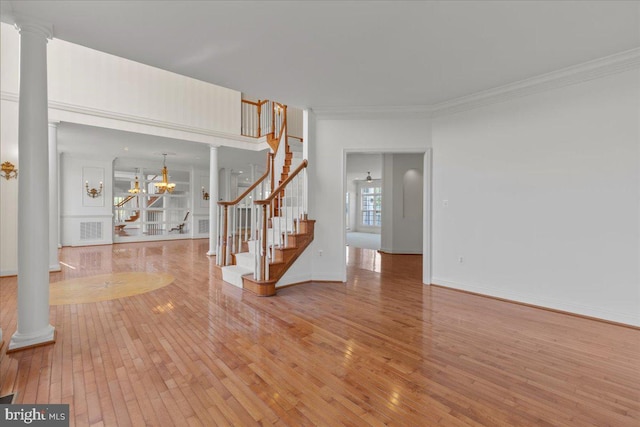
<point>580,73</point>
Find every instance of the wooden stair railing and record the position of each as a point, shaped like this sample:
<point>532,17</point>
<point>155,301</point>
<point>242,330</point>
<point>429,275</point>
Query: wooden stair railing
<point>291,212</point>
<point>235,229</point>
<point>258,240</point>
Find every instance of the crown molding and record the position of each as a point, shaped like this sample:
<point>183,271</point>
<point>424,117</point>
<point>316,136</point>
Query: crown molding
<point>259,143</point>
<point>602,67</point>
<point>368,113</point>
<point>580,73</point>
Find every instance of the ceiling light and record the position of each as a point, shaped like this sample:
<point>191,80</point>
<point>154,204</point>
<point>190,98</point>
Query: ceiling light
<point>165,185</point>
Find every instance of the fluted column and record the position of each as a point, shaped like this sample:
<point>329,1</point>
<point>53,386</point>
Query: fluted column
<point>33,217</point>
<point>213,199</point>
<point>54,214</point>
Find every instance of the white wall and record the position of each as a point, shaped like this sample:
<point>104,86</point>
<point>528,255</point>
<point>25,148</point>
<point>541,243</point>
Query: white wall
<point>402,218</point>
<point>9,189</point>
<point>542,194</point>
<point>334,138</point>
<point>94,88</point>
<point>78,210</point>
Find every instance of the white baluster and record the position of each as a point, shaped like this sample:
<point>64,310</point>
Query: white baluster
<point>286,217</point>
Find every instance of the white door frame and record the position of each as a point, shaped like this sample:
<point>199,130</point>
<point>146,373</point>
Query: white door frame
<point>426,204</point>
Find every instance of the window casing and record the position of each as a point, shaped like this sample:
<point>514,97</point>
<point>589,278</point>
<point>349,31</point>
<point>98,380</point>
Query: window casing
<point>371,205</point>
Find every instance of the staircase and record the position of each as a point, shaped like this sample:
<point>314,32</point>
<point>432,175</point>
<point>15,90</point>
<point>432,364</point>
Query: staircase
<point>136,214</point>
<point>259,240</point>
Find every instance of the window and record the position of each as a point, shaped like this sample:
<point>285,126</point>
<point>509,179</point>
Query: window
<point>371,206</point>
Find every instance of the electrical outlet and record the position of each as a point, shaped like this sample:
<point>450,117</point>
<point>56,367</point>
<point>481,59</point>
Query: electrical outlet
<point>460,260</point>
<point>319,252</point>
<point>445,203</point>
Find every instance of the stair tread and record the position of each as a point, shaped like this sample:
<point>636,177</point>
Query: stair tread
<point>236,269</point>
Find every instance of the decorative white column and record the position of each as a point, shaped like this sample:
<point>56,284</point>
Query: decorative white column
<point>33,217</point>
<point>213,199</point>
<point>54,215</point>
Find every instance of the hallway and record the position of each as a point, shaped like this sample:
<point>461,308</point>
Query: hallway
<point>380,349</point>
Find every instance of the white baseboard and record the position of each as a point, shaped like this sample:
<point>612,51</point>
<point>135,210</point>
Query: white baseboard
<point>570,307</point>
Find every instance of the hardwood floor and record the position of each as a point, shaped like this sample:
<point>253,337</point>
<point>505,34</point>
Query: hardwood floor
<point>381,349</point>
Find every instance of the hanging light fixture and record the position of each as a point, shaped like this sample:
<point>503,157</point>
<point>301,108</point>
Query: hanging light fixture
<point>369,179</point>
<point>165,185</point>
<point>8,171</point>
<point>136,186</point>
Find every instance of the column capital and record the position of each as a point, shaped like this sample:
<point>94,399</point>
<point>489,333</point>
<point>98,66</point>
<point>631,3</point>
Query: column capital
<point>25,24</point>
<point>54,124</point>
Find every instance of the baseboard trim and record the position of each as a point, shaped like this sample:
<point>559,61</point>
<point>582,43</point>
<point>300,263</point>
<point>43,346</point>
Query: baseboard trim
<point>540,307</point>
<point>398,253</point>
<point>29,347</point>
<point>293,284</point>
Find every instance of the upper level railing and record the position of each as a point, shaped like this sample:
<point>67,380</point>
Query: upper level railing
<point>264,118</point>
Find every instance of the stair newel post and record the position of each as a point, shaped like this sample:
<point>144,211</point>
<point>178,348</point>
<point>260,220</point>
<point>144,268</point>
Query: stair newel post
<point>221,225</point>
<point>259,122</point>
<point>297,220</point>
<point>305,188</point>
<point>263,249</point>
<point>225,237</point>
<point>273,118</point>
<point>218,235</point>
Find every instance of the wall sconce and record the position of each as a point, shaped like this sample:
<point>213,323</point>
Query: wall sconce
<point>93,192</point>
<point>368,178</point>
<point>205,195</point>
<point>9,171</point>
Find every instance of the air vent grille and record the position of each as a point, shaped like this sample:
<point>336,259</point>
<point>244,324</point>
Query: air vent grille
<point>90,231</point>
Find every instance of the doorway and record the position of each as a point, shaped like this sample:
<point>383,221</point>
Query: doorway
<point>388,210</point>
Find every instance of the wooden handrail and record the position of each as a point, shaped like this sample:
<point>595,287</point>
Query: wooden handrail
<point>283,185</point>
<point>246,193</point>
<point>122,203</point>
<point>254,103</point>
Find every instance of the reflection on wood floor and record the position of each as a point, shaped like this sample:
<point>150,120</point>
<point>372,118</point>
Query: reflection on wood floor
<point>380,349</point>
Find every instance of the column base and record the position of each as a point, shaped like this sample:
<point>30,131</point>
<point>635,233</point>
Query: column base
<point>211,253</point>
<point>54,268</point>
<point>23,342</point>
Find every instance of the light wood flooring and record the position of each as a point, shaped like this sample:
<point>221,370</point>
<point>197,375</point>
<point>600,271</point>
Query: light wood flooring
<point>381,349</point>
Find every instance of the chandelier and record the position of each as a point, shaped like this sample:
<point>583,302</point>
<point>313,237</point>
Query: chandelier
<point>136,186</point>
<point>165,185</point>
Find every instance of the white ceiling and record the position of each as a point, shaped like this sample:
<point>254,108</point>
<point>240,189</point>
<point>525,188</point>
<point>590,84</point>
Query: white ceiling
<point>348,53</point>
